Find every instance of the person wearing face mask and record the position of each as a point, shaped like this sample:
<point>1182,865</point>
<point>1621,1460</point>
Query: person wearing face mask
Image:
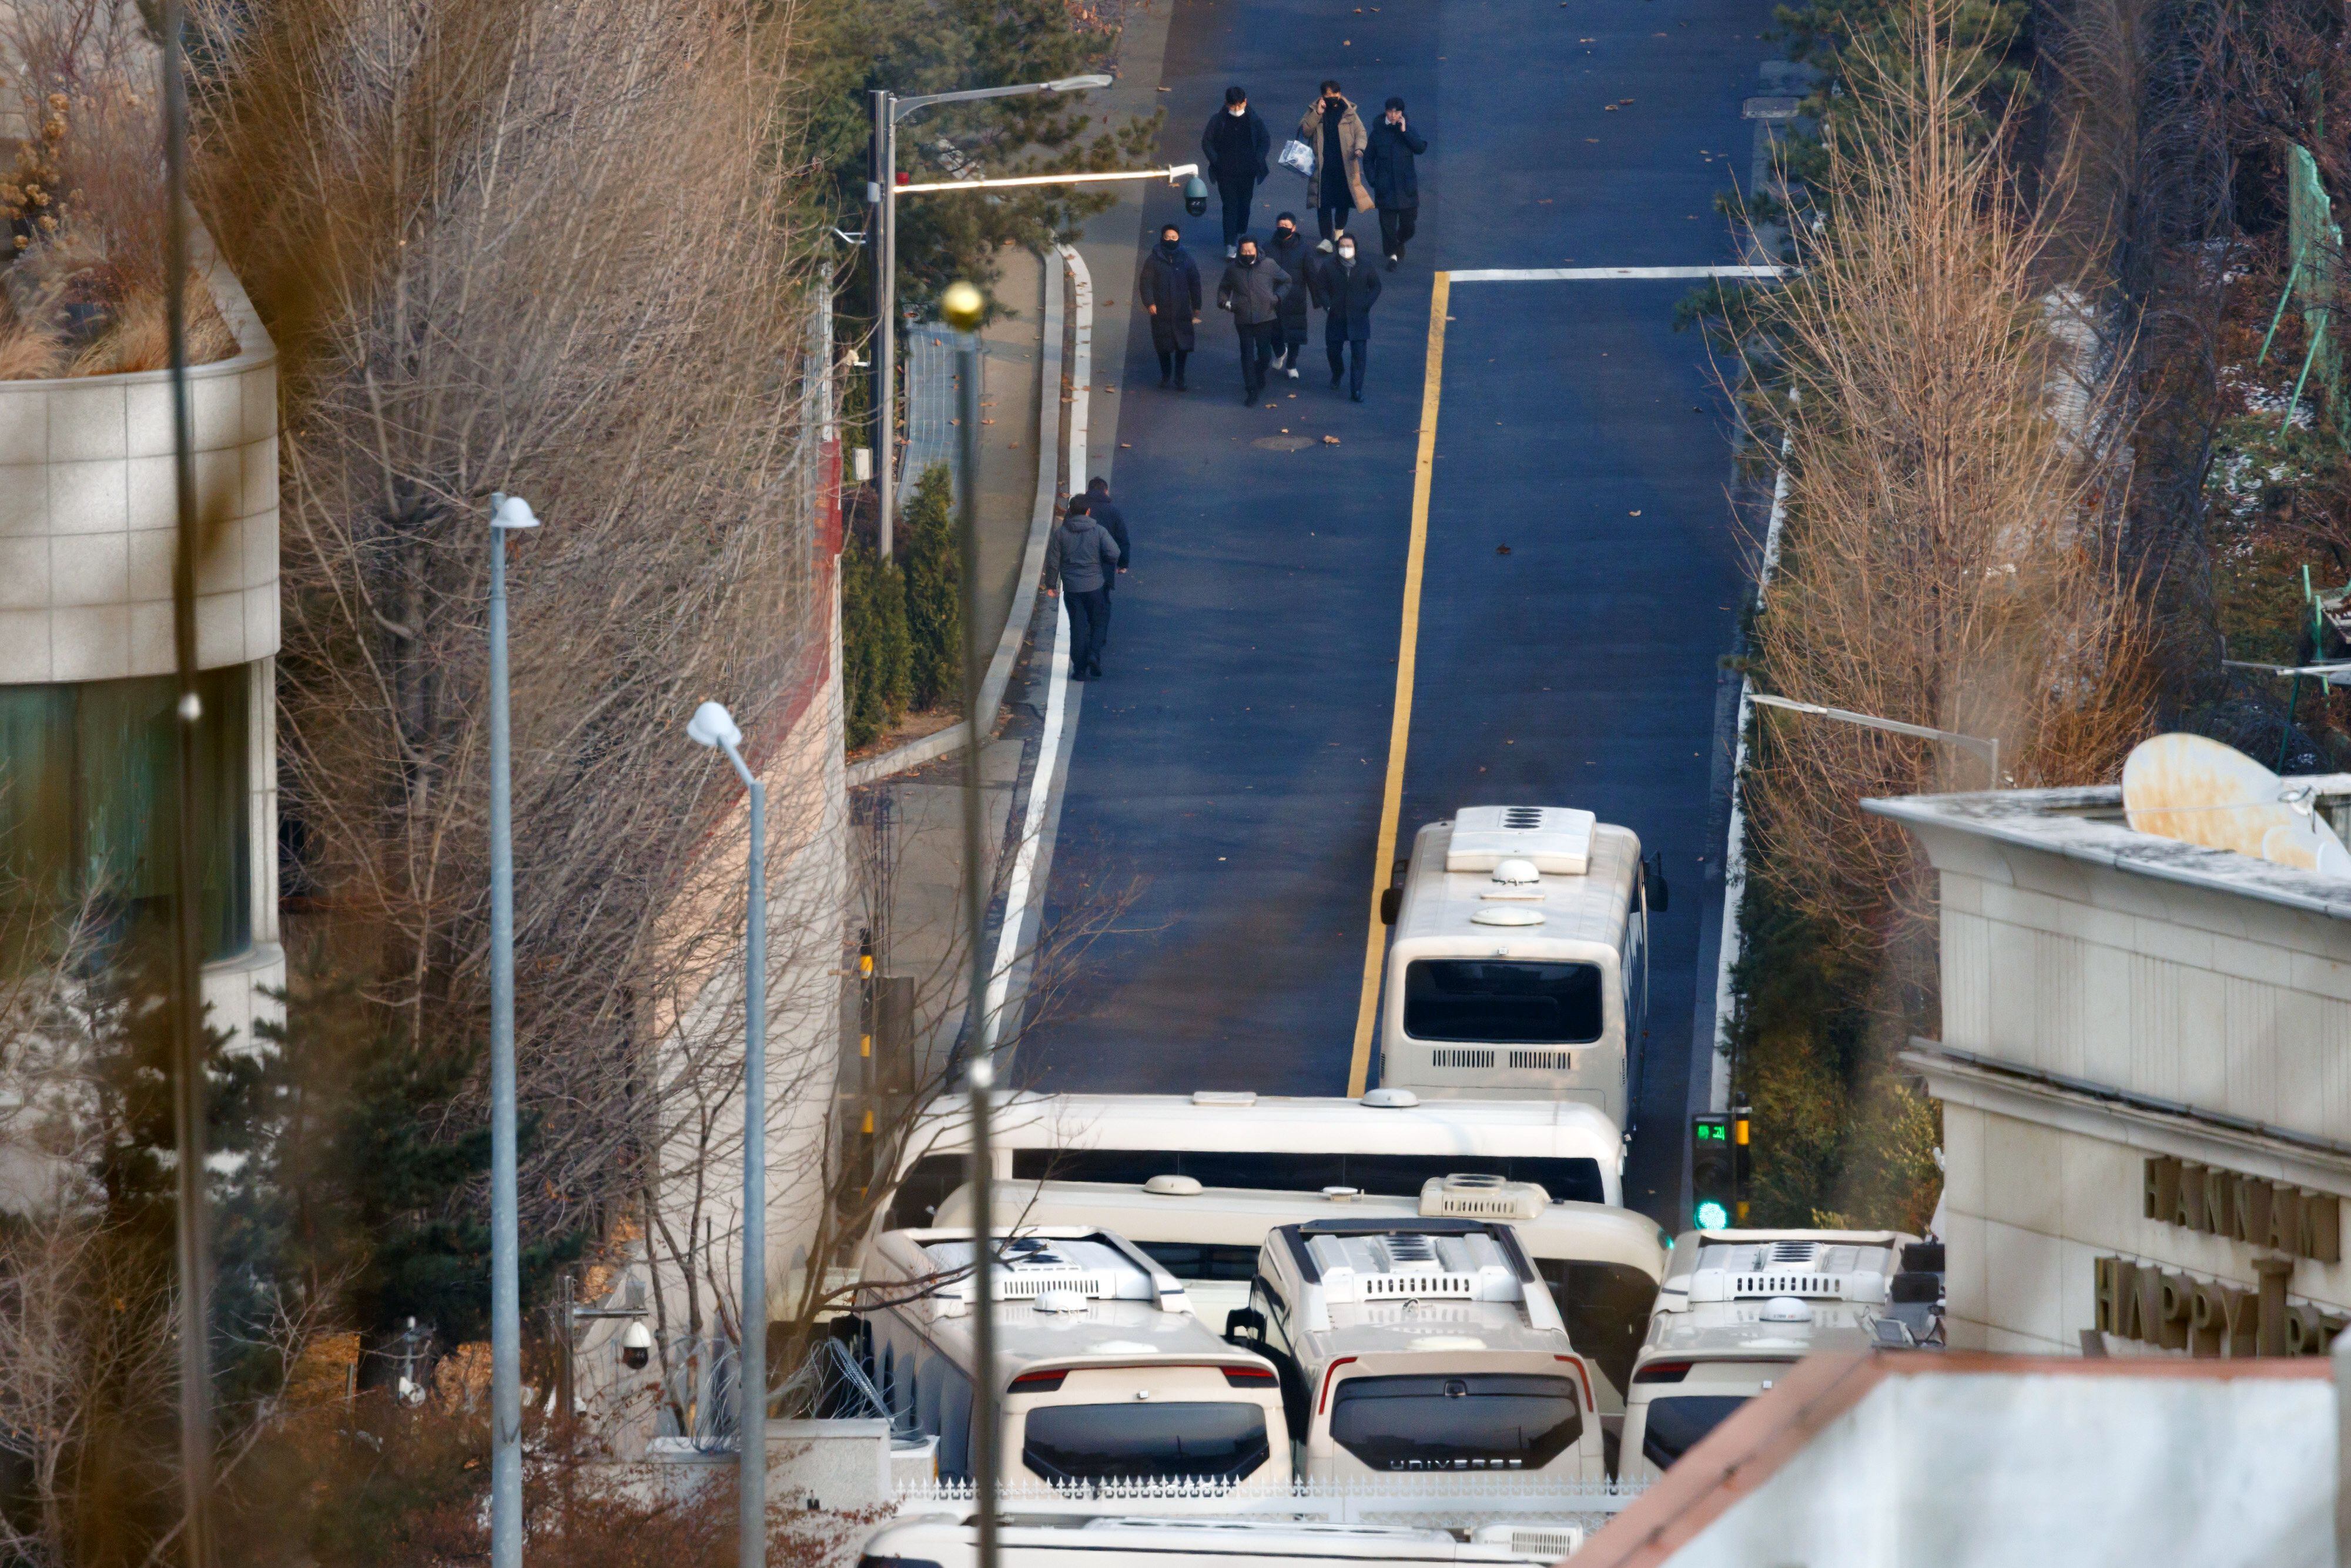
<point>1079,557</point>
<point>1169,290</point>
<point>1251,289</point>
<point>1335,132</point>
<point>1394,180</point>
<point>1290,252</point>
<point>1346,289</point>
<point>1232,153</point>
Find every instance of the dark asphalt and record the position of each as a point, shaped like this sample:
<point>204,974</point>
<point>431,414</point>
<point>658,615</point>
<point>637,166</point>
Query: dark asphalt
<point>1228,770</point>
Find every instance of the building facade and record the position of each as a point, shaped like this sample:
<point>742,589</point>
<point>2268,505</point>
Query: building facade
<point>2145,1072</point>
<point>88,526</point>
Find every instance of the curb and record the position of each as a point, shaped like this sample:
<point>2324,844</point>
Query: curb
<point>950,740</point>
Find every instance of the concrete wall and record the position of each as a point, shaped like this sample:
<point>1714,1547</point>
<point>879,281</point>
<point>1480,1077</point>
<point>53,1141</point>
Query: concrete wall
<point>1988,1468</point>
<point>87,518</point>
<point>2226,1002</point>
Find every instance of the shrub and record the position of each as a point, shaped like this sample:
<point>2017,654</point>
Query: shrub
<point>875,652</point>
<point>934,572</point>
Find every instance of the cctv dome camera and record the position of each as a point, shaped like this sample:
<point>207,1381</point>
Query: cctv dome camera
<point>636,1346</point>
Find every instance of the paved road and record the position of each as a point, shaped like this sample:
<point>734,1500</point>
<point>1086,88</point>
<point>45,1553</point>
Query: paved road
<point>1229,769</point>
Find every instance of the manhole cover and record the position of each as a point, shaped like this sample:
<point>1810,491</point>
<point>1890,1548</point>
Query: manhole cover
<point>1283,443</point>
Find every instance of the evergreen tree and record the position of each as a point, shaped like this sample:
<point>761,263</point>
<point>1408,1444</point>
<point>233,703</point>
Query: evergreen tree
<point>875,652</point>
<point>935,591</point>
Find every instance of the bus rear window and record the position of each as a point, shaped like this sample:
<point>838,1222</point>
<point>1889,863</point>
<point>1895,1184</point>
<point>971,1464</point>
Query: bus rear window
<point>1202,1260</point>
<point>1509,1003</point>
<point>1104,1442</point>
<point>1489,1421</point>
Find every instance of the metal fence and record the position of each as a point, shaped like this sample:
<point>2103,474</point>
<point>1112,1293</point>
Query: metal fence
<point>2313,258</point>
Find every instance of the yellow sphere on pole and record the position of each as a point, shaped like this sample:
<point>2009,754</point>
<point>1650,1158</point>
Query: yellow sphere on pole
<point>962,306</point>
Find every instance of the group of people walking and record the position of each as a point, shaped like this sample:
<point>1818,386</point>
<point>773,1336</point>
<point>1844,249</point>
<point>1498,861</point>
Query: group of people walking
<point>1270,288</point>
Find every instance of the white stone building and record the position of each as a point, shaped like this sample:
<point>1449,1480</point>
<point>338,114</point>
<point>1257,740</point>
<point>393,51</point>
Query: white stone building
<point>2146,1080</point>
<point>88,522</point>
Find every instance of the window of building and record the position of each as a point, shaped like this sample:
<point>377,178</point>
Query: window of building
<point>88,807</point>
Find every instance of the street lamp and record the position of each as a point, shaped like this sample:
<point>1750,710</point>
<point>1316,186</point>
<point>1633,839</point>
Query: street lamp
<point>963,306</point>
<point>882,191</point>
<point>1988,749</point>
<point>712,726</point>
<point>508,515</point>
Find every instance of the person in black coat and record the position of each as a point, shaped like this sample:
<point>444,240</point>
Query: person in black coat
<point>1232,152</point>
<point>1169,290</point>
<point>1346,289</point>
<point>1251,289</point>
<point>1395,183</point>
<point>1290,251</point>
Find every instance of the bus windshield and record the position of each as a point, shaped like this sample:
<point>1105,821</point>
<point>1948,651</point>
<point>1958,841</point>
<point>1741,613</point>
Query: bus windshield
<point>1101,1442</point>
<point>1491,1421</point>
<point>1506,1003</point>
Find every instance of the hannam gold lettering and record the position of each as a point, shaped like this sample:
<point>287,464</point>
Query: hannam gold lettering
<point>2284,1230</point>
<point>2161,1189</point>
<point>2320,1233</point>
<point>2253,1223</point>
<point>2220,1200</point>
<point>2188,1203</point>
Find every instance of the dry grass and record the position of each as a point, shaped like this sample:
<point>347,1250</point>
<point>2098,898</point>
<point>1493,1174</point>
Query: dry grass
<point>1954,465</point>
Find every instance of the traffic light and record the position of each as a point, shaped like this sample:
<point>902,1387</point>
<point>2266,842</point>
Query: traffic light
<point>1742,1161</point>
<point>1714,1172</point>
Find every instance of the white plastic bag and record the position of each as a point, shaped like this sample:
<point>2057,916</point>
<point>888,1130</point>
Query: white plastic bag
<point>1299,158</point>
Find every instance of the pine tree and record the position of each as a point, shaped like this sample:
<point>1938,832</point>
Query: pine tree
<point>935,591</point>
<point>875,652</point>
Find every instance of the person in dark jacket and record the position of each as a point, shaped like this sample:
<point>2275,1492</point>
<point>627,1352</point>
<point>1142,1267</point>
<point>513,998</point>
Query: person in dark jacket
<point>1251,289</point>
<point>1107,513</point>
<point>1170,291</point>
<point>1346,289</point>
<point>1232,153</point>
<point>1080,558</point>
<point>1290,252</point>
<point>1389,169</point>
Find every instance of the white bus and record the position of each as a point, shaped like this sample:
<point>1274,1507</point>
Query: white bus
<point>1077,1541</point>
<point>1519,960</point>
<point>1738,1308</point>
<point>1601,1265</point>
<point>1418,1346</point>
<point>1107,1374</point>
<point>1389,1143</point>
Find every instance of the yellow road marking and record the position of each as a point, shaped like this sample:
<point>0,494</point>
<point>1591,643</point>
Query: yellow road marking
<point>1359,1069</point>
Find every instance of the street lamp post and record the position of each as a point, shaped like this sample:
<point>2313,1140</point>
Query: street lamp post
<point>508,514</point>
<point>712,726</point>
<point>889,108</point>
<point>1987,748</point>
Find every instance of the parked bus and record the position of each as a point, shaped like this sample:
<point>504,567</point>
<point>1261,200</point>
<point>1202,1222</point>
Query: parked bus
<point>1520,961</point>
<point>1107,1373</point>
<point>1600,1264</point>
<point>1738,1308</point>
<point>1416,1346</point>
<point>1388,1142</point>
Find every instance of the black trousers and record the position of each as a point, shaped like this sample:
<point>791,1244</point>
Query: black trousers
<point>1332,220</point>
<point>1238,196</point>
<point>1348,354</point>
<point>1397,226</point>
<point>1256,354</point>
<point>1288,344</point>
<point>1171,361</point>
<point>1089,628</point>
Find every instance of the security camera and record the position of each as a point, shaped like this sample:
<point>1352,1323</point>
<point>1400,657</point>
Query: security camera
<point>1196,196</point>
<point>636,1347</point>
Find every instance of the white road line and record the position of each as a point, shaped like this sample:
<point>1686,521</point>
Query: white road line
<point>1605,274</point>
<point>1021,884</point>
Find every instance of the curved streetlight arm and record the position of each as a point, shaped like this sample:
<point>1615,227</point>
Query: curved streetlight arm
<point>900,108</point>
<point>1174,174</point>
<point>1988,749</point>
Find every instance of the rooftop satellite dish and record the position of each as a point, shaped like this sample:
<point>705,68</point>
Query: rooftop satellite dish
<point>2199,792</point>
